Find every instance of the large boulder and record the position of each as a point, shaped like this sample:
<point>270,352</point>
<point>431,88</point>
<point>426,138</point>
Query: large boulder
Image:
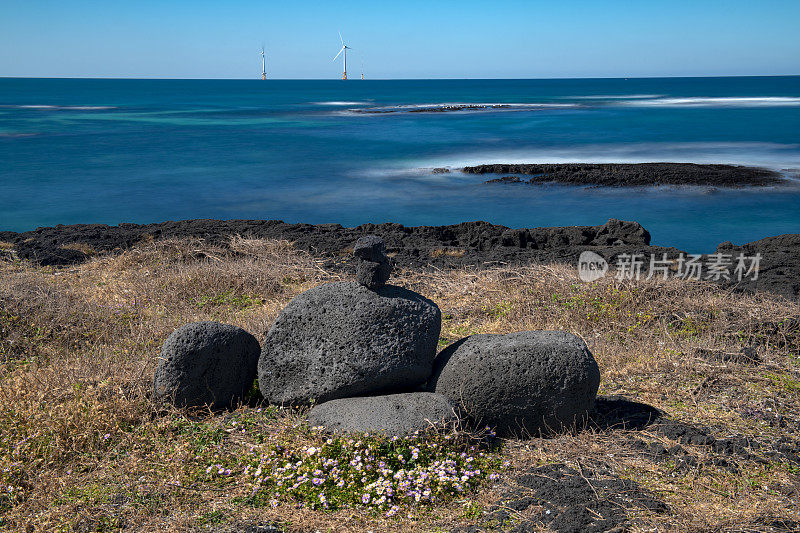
<point>393,414</point>
<point>531,382</point>
<point>341,339</point>
<point>206,363</point>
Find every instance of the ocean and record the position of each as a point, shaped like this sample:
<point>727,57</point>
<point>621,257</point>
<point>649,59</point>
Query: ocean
<point>112,151</point>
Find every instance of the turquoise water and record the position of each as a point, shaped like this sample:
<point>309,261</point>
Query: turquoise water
<point>143,151</point>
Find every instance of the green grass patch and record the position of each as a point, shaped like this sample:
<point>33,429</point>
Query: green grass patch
<point>230,299</point>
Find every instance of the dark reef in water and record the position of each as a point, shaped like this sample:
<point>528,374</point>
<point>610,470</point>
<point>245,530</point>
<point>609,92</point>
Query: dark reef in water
<point>631,174</point>
<point>469,244</point>
<point>443,108</point>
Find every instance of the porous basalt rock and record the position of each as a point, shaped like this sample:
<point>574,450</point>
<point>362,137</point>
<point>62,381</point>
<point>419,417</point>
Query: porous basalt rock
<point>393,414</point>
<point>373,267</point>
<point>206,363</point>
<point>341,339</point>
<point>524,383</point>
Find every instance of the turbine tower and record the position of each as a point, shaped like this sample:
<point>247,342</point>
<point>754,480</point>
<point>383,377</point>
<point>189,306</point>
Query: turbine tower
<point>343,53</point>
<point>263,64</point>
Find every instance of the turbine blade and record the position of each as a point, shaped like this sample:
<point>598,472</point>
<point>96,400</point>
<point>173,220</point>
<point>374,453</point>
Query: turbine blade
<point>340,38</point>
<point>337,55</point>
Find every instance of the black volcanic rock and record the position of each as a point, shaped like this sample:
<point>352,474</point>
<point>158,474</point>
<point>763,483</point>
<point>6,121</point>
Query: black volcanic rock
<point>441,108</point>
<point>778,266</point>
<point>373,275</point>
<point>474,244</point>
<point>633,174</point>
<point>342,339</point>
<point>206,363</point>
<point>373,267</point>
<point>392,414</point>
<point>506,179</point>
<point>615,232</point>
<point>528,382</point>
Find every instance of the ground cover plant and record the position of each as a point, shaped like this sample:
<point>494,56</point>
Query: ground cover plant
<point>84,447</point>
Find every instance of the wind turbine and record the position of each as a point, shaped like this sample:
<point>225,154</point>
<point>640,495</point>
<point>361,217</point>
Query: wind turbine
<point>263,64</point>
<point>343,51</point>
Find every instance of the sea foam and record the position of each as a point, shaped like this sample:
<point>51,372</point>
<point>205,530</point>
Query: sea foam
<point>727,101</point>
<point>341,103</point>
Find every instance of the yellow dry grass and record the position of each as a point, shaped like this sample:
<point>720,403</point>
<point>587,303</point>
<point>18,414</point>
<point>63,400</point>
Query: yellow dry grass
<point>446,252</point>
<point>78,347</point>
<point>80,247</point>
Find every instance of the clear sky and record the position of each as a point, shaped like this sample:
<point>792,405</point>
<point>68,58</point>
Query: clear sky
<point>407,39</point>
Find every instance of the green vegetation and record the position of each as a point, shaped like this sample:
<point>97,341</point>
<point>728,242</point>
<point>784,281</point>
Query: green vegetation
<point>239,301</point>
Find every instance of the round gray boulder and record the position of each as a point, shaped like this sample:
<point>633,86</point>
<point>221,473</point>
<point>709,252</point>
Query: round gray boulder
<point>393,414</point>
<point>206,363</point>
<point>341,339</point>
<point>526,383</point>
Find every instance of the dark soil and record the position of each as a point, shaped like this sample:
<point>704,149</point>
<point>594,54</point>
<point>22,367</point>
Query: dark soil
<point>632,174</point>
<point>567,500</point>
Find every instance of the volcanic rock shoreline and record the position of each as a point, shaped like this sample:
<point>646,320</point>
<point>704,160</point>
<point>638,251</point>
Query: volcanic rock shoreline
<point>469,244</point>
<point>630,174</point>
<point>466,244</point>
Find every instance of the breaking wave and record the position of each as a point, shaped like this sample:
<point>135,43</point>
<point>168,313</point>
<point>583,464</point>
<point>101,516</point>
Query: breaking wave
<point>341,103</point>
<point>727,101</point>
<point>615,96</point>
<point>775,156</point>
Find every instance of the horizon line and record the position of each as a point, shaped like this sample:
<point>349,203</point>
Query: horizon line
<point>398,79</point>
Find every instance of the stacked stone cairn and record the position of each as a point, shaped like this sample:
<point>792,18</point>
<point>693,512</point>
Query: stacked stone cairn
<point>364,355</point>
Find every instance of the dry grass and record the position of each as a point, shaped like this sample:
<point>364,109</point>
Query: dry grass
<point>446,252</point>
<point>80,247</point>
<point>81,437</point>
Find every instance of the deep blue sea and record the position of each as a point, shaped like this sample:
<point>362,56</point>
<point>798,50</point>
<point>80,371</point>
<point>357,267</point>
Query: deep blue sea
<point>111,151</point>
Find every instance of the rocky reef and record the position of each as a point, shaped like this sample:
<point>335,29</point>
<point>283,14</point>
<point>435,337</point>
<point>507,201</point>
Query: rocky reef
<point>631,174</point>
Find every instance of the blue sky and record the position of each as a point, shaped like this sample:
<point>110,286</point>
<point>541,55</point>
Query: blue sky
<point>408,39</point>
